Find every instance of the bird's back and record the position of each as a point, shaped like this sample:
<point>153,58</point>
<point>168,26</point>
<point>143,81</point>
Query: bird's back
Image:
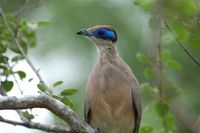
<point>109,104</point>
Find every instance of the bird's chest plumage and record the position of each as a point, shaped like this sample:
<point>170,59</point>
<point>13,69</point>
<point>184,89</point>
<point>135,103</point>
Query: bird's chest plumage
<point>109,94</point>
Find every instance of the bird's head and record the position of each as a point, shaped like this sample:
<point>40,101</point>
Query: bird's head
<point>100,34</point>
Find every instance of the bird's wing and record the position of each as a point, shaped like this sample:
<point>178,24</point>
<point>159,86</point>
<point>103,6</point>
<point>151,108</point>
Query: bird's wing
<point>87,112</point>
<point>136,99</point>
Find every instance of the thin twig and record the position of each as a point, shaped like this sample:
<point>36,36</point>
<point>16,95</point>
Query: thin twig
<point>17,83</point>
<point>15,78</point>
<point>157,64</point>
<point>161,75</point>
<point>33,125</point>
<point>16,41</point>
<point>194,59</point>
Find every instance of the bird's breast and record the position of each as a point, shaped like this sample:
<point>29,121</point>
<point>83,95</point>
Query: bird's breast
<point>109,92</point>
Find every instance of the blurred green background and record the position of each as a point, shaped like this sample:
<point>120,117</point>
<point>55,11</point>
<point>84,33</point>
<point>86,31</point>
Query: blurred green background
<point>62,55</point>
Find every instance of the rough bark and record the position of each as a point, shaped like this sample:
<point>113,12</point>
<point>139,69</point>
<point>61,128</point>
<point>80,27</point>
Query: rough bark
<point>45,101</point>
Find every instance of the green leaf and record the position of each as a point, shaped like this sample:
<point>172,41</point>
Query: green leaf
<point>170,121</point>
<point>148,73</point>
<point>2,48</point>
<point>166,55</point>
<point>43,23</point>
<point>7,85</point>
<point>3,67</point>
<point>28,115</point>
<point>6,70</point>
<point>167,37</point>
<point>23,25</point>
<point>146,88</point>
<point>146,129</point>
<point>41,87</point>
<point>30,79</point>
<point>67,92</point>
<point>17,58</point>
<point>57,83</point>
<point>31,36</point>
<point>3,59</point>
<point>194,40</point>
<point>180,31</point>
<point>173,64</point>
<point>161,109</point>
<point>142,58</point>
<point>21,74</point>
<point>7,35</point>
<point>13,48</point>
<point>24,46</point>
<point>67,101</point>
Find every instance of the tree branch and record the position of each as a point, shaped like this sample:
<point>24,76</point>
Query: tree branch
<point>160,76</point>
<point>33,125</point>
<point>45,101</point>
<point>157,63</point>
<point>194,59</point>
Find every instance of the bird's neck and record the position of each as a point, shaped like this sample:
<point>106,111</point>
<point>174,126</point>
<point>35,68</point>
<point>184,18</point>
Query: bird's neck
<point>107,52</point>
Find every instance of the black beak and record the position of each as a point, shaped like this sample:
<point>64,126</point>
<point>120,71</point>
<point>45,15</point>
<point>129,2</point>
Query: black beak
<point>84,33</point>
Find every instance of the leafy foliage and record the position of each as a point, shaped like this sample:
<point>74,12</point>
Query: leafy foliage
<point>17,37</point>
<point>19,29</point>
<point>181,15</point>
<point>64,94</point>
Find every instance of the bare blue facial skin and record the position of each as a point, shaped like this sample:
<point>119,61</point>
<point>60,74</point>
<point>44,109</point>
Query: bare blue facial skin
<point>105,34</point>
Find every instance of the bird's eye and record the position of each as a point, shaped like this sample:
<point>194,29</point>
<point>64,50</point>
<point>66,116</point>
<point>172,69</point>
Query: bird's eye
<point>101,32</point>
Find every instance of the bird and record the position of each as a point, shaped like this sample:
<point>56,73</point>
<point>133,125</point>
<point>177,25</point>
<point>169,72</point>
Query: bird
<point>112,101</point>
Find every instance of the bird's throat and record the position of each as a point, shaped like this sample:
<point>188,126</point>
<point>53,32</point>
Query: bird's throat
<point>107,52</point>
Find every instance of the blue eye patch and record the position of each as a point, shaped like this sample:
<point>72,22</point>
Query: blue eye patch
<point>106,34</point>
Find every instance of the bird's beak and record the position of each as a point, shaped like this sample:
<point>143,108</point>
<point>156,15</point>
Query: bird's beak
<point>84,33</point>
